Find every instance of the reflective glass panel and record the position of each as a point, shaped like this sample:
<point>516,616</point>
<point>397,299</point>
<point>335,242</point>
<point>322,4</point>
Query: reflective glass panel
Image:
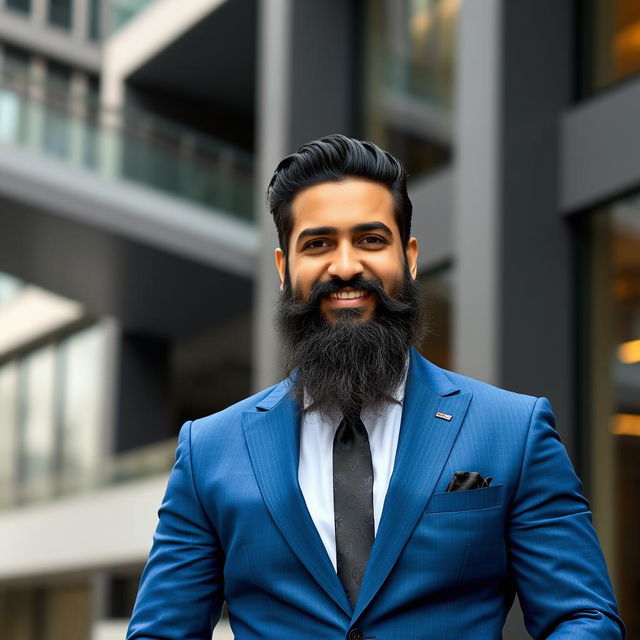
<point>61,13</point>
<point>611,392</point>
<point>14,76</point>
<point>57,126</point>
<point>436,291</point>
<point>37,422</point>
<point>82,367</point>
<point>19,5</point>
<point>611,42</point>
<point>8,431</point>
<point>10,287</point>
<point>94,20</point>
<point>409,55</point>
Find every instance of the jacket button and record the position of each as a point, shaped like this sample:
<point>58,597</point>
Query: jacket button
<point>356,634</point>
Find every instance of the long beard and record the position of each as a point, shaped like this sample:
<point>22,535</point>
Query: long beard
<point>352,363</point>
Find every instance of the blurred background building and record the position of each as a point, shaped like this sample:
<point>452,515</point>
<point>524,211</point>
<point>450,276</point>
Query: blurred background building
<point>136,257</point>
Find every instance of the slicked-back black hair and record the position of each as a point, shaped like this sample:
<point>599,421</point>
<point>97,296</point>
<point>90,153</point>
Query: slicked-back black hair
<point>331,159</point>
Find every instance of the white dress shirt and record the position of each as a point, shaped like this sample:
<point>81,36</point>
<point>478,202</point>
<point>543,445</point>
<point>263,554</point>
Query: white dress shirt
<point>315,465</point>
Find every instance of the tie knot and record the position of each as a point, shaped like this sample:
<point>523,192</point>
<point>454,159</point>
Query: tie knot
<point>352,414</point>
<point>351,431</point>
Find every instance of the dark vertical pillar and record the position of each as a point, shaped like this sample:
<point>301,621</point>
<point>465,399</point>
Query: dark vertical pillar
<point>537,302</point>
<point>144,393</point>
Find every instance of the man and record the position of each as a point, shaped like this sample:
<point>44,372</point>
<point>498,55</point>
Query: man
<point>371,494</point>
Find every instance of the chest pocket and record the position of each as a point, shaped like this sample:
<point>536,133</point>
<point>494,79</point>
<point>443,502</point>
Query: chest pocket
<point>469,500</point>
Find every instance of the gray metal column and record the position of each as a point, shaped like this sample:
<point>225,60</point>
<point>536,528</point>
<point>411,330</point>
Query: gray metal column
<point>305,91</point>
<point>476,190</point>
<point>272,111</point>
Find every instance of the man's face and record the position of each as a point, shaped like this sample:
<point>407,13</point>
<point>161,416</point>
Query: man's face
<point>342,230</point>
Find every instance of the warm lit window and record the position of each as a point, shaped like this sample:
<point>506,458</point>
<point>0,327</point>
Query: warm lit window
<point>611,42</point>
<point>409,61</point>
<point>611,391</point>
<point>436,291</point>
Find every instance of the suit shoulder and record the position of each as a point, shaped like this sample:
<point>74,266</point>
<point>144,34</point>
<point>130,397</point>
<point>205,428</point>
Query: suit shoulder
<point>505,413</point>
<point>489,395</point>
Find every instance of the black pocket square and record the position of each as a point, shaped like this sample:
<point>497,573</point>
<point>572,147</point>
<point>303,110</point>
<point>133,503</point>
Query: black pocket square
<point>464,480</point>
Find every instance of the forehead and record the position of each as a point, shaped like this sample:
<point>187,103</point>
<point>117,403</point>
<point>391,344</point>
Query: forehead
<point>343,205</point>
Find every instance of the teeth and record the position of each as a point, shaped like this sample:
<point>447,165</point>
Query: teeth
<point>347,295</point>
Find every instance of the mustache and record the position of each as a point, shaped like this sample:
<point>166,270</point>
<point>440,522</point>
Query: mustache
<point>346,365</point>
<point>322,289</point>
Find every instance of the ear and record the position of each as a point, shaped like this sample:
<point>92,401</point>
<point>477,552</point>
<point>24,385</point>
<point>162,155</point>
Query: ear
<point>281,265</point>
<point>411,252</point>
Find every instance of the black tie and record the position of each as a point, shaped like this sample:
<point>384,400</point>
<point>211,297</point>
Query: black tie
<point>352,502</point>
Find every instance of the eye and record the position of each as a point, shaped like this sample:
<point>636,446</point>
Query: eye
<point>373,240</point>
<point>317,243</point>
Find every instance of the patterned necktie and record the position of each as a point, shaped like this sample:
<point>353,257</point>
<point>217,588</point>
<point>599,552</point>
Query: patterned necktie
<point>353,503</point>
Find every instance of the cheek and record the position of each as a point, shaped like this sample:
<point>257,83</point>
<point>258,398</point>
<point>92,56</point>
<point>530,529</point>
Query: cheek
<point>391,274</point>
<point>301,279</point>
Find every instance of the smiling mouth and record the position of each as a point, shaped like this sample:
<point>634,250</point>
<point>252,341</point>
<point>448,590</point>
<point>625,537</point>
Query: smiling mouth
<point>348,294</point>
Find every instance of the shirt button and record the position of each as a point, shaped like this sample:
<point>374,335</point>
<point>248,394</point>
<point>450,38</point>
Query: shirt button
<point>356,634</point>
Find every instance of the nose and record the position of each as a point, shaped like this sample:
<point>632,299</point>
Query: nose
<point>345,263</point>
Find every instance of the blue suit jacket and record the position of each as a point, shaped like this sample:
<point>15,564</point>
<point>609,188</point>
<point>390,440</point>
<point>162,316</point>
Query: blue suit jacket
<point>234,525</point>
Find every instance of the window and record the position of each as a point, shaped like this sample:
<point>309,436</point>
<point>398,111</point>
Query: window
<point>10,287</point>
<point>57,124</point>
<point>52,408</point>
<point>409,54</point>
<point>611,391</point>
<point>23,6</point>
<point>61,13</point>
<point>16,63</point>
<point>36,423</point>
<point>81,368</point>
<point>13,89</point>
<point>8,431</point>
<point>436,291</point>
<point>611,42</point>
<point>94,20</point>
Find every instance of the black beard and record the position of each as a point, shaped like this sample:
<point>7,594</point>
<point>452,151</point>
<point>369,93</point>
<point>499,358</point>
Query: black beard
<point>352,363</point>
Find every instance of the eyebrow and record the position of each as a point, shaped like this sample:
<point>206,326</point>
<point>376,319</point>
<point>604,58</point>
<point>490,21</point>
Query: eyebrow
<point>331,231</point>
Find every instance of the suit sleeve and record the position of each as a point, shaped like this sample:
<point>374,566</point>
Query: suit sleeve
<point>181,589</point>
<point>555,557</point>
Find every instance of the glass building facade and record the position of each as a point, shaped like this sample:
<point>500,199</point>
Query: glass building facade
<point>52,418</point>
<point>611,392</point>
<point>407,96</point>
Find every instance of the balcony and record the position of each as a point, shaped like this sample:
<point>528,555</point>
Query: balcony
<point>129,145</point>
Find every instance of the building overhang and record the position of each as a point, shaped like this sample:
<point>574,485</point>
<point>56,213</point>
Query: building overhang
<point>150,259</point>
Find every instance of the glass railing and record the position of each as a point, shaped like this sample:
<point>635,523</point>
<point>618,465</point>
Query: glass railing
<point>121,11</point>
<point>420,80</point>
<point>142,462</point>
<point>130,145</point>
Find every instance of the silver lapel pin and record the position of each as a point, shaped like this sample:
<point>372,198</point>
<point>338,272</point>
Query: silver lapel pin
<point>444,416</point>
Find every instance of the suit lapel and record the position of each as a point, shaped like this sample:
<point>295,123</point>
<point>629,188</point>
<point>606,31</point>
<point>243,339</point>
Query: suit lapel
<point>423,447</point>
<point>273,441</point>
